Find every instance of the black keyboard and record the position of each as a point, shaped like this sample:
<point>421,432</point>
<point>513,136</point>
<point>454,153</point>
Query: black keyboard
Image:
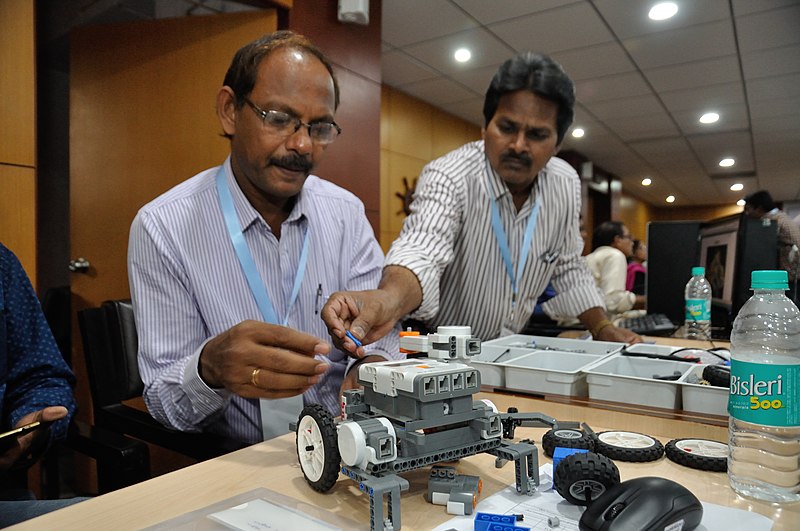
<point>652,324</point>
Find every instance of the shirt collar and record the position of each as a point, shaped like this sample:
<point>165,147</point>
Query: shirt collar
<point>498,187</point>
<point>247,213</point>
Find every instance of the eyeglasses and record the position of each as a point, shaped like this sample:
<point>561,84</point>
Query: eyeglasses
<point>283,124</point>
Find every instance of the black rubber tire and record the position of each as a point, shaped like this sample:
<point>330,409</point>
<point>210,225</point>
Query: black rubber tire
<point>322,476</point>
<point>577,472</point>
<point>638,447</point>
<point>566,438</point>
<point>702,454</point>
<point>717,375</point>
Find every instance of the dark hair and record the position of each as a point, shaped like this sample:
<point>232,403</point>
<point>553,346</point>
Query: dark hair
<point>636,245</point>
<point>760,199</point>
<point>243,71</point>
<point>536,73</point>
<point>605,233</point>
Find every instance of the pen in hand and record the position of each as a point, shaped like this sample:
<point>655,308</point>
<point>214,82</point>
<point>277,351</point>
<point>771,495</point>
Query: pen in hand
<point>319,295</point>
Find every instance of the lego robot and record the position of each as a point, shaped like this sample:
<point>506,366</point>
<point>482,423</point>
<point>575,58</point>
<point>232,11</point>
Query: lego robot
<point>410,414</point>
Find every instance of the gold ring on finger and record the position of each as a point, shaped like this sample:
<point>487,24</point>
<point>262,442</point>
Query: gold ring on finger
<point>254,377</point>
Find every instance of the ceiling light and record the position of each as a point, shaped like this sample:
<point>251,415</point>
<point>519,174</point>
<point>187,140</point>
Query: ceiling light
<point>462,55</point>
<point>740,202</point>
<point>737,187</point>
<point>663,11</point>
<point>709,118</point>
<point>647,181</point>
<point>727,163</point>
<point>578,132</point>
<point>670,199</point>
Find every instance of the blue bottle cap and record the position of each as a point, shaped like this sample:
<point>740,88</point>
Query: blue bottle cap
<point>698,271</point>
<point>769,280</point>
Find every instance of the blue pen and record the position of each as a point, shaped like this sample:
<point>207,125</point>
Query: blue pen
<point>353,338</point>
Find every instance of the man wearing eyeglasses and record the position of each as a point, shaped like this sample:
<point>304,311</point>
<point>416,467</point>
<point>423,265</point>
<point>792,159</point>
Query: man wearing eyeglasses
<point>229,270</point>
<point>491,224</point>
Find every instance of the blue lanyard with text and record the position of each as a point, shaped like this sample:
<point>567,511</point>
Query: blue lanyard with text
<point>257,287</point>
<point>502,241</point>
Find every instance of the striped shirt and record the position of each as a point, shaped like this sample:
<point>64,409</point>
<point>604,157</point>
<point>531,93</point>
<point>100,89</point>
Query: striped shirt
<point>448,243</point>
<point>187,287</point>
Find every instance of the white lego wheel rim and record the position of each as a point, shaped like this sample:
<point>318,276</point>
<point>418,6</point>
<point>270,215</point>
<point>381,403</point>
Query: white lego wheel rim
<point>626,439</point>
<point>310,448</point>
<point>568,434</point>
<point>703,447</point>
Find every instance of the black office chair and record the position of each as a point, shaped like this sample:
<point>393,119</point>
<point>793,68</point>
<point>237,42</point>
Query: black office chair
<point>110,346</point>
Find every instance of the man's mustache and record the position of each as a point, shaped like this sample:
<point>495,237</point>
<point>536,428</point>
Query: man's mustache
<point>522,158</point>
<point>293,162</point>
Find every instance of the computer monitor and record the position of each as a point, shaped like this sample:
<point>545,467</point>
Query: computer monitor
<point>730,249</point>
<point>671,254</point>
<point>718,255</point>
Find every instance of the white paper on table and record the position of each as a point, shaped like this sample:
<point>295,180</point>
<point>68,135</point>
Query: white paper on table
<point>546,502</point>
<point>261,515</point>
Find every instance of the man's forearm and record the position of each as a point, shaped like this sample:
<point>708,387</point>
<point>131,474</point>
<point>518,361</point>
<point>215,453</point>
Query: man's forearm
<point>404,287</point>
<point>594,319</point>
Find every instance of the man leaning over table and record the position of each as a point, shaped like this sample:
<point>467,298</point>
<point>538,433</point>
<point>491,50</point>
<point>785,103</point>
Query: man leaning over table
<point>229,269</point>
<point>491,224</point>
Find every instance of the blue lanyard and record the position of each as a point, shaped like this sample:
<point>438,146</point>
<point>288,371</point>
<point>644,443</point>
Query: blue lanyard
<point>502,242</point>
<point>257,287</point>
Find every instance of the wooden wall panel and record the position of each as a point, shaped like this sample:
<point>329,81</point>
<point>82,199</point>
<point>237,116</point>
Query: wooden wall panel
<point>353,162</point>
<point>17,83</point>
<point>413,133</point>
<point>18,215</point>
<point>142,119</point>
<point>18,132</point>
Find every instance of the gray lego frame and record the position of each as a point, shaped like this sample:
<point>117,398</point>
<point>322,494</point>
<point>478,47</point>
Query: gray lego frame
<point>415,413</point>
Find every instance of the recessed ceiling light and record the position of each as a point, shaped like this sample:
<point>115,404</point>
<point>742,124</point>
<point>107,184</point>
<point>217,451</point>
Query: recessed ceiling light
<point>740,202</point>
<point>727,163</point>
<point>663,11</point>
<point>647,181</point>
<point>462,55</point>
<point>578,132</point>
<point>736,187</point>
<point>670,199</point>
<point>709,118</point>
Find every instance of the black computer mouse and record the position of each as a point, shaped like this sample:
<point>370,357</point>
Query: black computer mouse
<point>643,504</point>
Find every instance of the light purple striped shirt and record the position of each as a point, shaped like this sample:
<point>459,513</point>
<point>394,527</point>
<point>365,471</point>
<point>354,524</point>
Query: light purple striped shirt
<point>448,242</point>
<point>187,287</point>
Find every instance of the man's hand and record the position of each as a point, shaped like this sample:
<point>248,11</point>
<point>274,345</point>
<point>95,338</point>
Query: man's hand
<point>260,360</point>
<point>368,315</point>
<point>618,335</point>
<point>24,443</point>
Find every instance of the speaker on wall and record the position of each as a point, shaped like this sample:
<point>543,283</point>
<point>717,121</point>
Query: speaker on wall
<point>354,12</point>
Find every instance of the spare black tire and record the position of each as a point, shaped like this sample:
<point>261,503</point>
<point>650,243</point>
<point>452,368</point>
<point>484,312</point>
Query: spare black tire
<point>582,478</point>
<point>566,438</point>
<point>702,454</point>
<point>717,375</point>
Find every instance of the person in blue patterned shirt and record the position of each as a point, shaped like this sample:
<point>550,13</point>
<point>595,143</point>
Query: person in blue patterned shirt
<point>35,385</point>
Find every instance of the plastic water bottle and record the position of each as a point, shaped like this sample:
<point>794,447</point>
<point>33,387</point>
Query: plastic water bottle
<point>764,402</point>
<point>698,305</point>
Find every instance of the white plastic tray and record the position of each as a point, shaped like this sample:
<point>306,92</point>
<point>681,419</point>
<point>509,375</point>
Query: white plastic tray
<point>488,362</point>
<point>629,379</point>
<point>699,398</point>
<point>555,369</point>
<point>550,372</point>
